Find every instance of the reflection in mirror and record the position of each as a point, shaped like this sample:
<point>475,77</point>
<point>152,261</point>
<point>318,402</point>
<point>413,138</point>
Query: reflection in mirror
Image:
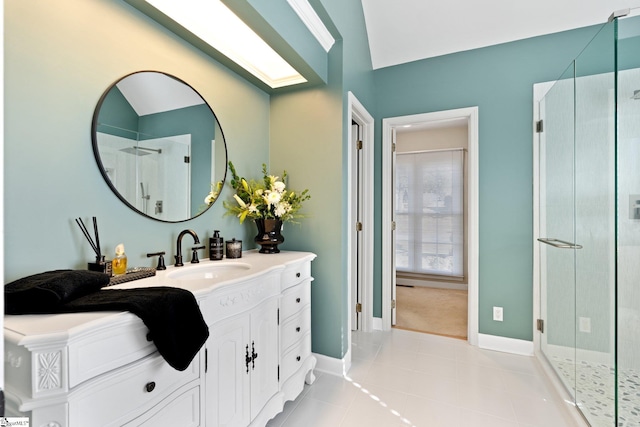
<point>158,145</point>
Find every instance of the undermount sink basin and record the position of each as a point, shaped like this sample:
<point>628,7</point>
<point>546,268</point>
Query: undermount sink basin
<point>218,270</point>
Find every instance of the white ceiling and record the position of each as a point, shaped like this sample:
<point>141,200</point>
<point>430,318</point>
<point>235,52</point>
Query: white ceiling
<point>402,31</point>
<point>150,93</point>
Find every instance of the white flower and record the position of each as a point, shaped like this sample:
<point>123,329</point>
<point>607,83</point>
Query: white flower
<point>253,208</point>
<point>239,200</point>
<point>271,197</point>
<point>209,199</point>
<point>282,208</point>
<point>278,186</point>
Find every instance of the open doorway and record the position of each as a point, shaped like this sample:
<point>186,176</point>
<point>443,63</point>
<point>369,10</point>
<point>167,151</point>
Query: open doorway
<point>430,209</point>
<point>392,128</point>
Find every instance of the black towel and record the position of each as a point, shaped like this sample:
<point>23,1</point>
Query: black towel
<point>172,315</point>
<point>44,292</point>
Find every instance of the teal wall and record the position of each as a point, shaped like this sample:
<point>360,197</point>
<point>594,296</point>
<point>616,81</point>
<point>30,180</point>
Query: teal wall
<point>499,80</point>
<point>59,58</point>
<point>308,136</point>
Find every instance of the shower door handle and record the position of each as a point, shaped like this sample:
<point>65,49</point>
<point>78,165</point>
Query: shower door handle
<point>559,243</point>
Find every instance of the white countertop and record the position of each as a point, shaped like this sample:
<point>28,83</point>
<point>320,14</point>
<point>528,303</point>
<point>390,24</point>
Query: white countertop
<point>22,328</point>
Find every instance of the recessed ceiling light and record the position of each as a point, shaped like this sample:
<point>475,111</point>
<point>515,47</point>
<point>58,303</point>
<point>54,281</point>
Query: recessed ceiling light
<point>215,24</point>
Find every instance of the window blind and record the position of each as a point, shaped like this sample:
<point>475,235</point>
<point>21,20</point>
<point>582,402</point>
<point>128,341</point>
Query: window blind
<point>429,212</point>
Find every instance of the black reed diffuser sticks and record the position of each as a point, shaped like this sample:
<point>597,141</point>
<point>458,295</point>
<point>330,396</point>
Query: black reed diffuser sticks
<point>88,237</point>
<point>95,230</point>
<point>100,264</point>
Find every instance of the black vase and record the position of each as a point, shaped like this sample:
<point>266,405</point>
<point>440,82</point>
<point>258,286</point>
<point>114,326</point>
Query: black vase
<point>269,236</point>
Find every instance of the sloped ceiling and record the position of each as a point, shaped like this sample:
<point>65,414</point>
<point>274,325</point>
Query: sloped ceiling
<point>402,31</point>
<point>150,93</point>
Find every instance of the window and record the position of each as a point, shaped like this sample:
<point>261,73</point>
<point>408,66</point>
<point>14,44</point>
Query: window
<point>429,212</point>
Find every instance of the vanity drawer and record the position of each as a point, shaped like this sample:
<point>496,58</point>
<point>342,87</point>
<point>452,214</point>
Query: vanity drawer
<point>295,273</point>
<point>295,357</point>
<point>181,409</point>
<point>295,328</point>
<point>98,342</point>
<point>110,349</point>
<point>294,299</point>
<point>126,394</point>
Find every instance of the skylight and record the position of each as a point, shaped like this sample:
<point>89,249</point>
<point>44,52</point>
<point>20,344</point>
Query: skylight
<point>215,24</point>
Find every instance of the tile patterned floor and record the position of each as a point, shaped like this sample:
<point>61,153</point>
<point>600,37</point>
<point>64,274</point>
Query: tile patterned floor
<point>596,391</point>
<point>407,379</point>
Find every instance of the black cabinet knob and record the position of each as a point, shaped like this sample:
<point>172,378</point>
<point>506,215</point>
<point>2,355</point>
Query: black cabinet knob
<point>298,329</point>
<point>298,358</point>
<point>298,300</point>
<point>297,274</point>
<point>150,386</point>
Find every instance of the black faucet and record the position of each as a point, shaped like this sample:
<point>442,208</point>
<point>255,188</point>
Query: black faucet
<point>178,255</point>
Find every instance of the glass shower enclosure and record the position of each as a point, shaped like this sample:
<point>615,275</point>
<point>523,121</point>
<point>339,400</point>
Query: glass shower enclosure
<point>588,228</point>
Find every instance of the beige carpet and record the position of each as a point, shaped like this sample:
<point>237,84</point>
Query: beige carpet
<point>431,310</point>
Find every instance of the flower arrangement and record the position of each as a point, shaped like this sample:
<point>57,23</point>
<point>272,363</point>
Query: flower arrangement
<point>266,199</point>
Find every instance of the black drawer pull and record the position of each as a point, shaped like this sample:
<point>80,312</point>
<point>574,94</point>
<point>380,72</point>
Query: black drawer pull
<point>298,329</point>
<point>298,358</point>
<point>297,274</point>
<point>149,337</point>
<point>298,300</point>
<point>150,386</point>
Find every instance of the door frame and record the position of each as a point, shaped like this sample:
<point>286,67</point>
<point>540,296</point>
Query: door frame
<point>358,113</point>
<point>388,269</point>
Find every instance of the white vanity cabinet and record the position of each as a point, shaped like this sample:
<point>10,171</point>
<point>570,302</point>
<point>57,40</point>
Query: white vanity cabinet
<point>92,369</point>
<point>241,377</point>
<point>100,369</point>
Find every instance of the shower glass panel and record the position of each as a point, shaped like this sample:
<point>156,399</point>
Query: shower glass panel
<point>589,226</point>
<point>628,220</point>
<point>557,229</point>
<point>594,192</point>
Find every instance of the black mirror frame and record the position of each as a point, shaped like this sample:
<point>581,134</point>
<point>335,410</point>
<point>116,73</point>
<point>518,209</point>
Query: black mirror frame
<point>96,152</point>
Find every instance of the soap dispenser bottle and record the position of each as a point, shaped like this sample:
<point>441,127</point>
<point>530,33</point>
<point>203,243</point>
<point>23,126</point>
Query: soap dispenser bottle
<point>216,246</point>
<point>119,263</point>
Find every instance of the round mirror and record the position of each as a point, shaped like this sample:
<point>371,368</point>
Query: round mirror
<point>159,146</point>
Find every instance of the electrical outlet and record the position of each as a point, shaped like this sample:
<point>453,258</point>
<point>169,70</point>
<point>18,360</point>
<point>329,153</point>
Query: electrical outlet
<point>497,314</point>
<point>584,324</point>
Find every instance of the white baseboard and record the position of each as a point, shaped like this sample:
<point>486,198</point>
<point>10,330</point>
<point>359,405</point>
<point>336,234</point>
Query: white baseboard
<point>377,323</point>
<point>506,345</point>
<point>333,366</point>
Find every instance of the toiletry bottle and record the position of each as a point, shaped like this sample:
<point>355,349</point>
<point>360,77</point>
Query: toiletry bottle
<point>119,263</point>
<point>215,246</point>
